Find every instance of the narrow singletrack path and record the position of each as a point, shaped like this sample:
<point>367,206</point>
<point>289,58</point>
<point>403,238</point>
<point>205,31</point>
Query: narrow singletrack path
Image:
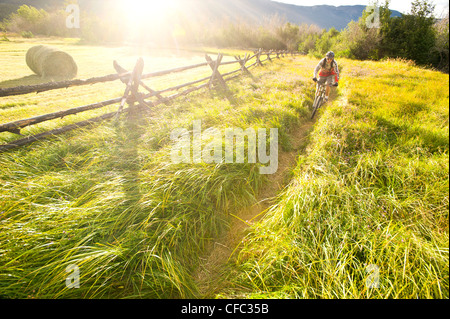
<point>210,275</point>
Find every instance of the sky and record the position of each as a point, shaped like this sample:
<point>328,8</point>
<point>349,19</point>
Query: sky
<point>404,6</point>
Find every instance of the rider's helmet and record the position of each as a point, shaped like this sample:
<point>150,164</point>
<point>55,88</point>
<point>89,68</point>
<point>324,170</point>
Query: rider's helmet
<point>330,54</point>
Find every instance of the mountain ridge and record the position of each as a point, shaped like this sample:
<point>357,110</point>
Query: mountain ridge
<point>324,16</point>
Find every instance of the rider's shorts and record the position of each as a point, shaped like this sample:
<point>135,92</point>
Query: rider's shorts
<point>329,80</point>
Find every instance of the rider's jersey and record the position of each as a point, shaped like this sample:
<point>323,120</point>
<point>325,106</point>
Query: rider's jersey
<point>324,69</point>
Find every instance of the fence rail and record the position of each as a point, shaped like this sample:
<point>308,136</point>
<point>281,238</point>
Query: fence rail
<point>133,81</point>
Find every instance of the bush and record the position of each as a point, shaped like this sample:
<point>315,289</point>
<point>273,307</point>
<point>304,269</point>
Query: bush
<point>27,34</point>
<point>326,42</point>
<point>28,19</point>
<point>359,41</point>
<point>442,47</point>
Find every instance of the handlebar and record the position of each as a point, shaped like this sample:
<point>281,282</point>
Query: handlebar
<point>334,84</point>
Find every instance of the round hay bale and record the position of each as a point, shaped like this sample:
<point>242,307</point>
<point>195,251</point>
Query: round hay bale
<point>50,62</point>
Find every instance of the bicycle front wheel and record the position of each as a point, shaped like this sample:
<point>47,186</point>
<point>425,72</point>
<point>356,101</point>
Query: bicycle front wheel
<point>316,105</point>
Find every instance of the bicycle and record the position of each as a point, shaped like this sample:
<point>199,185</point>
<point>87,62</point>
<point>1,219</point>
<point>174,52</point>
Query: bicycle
<point>320,97</point>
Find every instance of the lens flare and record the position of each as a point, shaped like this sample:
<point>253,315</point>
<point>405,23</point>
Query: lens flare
<point>144,18</point>
<point>137,10</point>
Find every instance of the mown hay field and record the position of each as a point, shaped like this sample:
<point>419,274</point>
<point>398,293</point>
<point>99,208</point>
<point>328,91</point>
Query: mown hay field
<point>92,61</point>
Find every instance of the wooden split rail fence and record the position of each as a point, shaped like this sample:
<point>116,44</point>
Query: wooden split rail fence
<point>137,101</point>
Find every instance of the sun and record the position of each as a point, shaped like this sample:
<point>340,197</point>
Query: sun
<point>146,18</point>
<point>138,10</point>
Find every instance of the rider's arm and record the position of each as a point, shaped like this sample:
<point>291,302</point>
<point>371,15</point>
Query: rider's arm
<point>336,69</point>
<point>317,69</point>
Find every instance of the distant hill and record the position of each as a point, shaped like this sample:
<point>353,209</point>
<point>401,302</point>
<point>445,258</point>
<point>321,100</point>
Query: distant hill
<point>6,9</point>
<point>323,16</point>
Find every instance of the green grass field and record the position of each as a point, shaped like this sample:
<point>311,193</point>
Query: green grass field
<point>370,186</point>
<point>368,202</point>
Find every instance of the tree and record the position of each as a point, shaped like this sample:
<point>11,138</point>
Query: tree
<point>289,34</point>
<point>361,43</point>
<point>411,36</point>
<point>423,37</point>
<point>327,41</point>
<point>362,40</point>
<point>27,18</point>
<point>309,34</point>
<point>441,46</point>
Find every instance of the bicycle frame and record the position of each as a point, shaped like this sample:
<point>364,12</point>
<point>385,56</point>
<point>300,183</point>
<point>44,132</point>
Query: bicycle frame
<point>320,97</point>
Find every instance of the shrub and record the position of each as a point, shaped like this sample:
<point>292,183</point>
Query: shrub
<point>27,34</point>
<point>28,19</point>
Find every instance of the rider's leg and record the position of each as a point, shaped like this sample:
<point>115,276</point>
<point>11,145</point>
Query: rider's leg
<point>327,91</point>
<point>330,81</point>
<point>328,88</point>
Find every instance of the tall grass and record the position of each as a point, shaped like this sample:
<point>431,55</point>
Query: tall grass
<point>368,200</point>
<point>109,201</point>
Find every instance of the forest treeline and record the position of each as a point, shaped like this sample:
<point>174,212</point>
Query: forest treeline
<point>418,36</point>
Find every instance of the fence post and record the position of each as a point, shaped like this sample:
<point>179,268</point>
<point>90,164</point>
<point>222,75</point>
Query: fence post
<point>121,70</point>
<point>217,77</point>
<point>243,62</point>
<point>258,57</point>
<point>135,84</point>
<point>129,86</point>
<point>132,95</point>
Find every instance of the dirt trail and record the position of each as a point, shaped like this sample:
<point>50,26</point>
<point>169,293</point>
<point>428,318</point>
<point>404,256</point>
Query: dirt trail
<point>209,274</point>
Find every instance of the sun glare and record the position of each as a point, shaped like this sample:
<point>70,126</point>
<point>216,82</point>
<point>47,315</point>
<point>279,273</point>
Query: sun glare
<point>146,18</point>
<point>146,9</point>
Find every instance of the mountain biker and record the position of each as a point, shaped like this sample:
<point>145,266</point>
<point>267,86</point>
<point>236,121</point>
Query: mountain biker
<point>328,73</point>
